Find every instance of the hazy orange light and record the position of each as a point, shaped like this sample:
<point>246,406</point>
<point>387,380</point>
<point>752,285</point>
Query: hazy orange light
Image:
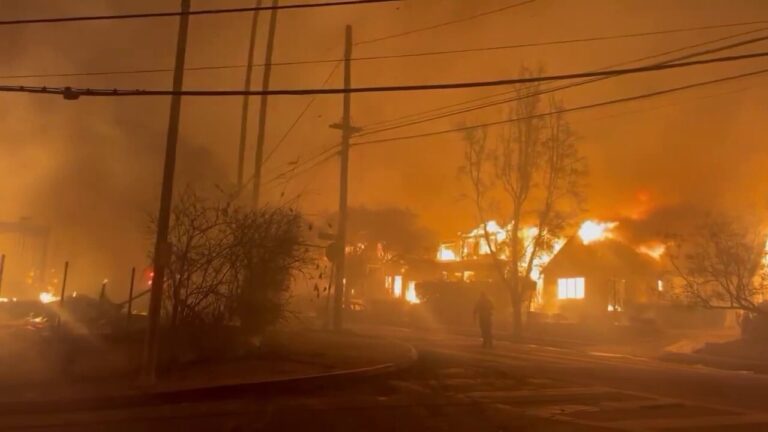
<point>592,231</point>
<point>654,250</point>
<point>410,293</point>
<point>46,297</point>
<point>445,253</point>
<point>397,286</point>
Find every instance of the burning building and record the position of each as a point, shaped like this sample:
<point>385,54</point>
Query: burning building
<point>589,278</point>
<point>592,273</point>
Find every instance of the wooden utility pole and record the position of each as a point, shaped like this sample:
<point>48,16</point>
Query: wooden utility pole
<point>162,251</point>
<point>246,101</point>
<point>2,269</point>
<point>346,132</point>
<point>266,78</point>
<point>130,297</point>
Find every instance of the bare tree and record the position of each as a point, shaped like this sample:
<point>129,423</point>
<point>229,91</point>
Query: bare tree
<point>536,167</point>
<point>561,177</point>
<point>271,253</point>
<point>722,265</point>
<point>200,264</point>
<point>232,264</point>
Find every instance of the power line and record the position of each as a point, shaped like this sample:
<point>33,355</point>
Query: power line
<point>330,153</point>
<point>282,140</point>
<point>313,161</point>
<point>300,116</point>
<point>539,44</point>
<point>566,110</point>
<point>74,93</point>
<point>665,106</point>
<point>421,114</point>
<point>444,24</point>
<point>190,13</point>
<point>285,137</point>
<point>423,118</point>
<point>389,56</point>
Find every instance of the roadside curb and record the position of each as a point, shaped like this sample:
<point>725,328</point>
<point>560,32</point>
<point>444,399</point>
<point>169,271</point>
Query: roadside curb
<point>714,362</point>
<point>254,389</point>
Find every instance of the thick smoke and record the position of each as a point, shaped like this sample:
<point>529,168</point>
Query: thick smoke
<point>90,169</point>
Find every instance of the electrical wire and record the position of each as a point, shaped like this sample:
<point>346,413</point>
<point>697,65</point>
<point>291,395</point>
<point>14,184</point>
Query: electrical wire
<point>301,167</point>
<point>665,106</point>
<point>300,116</point>
<point>566,110</point>
<point>385,56</point>
<point>190,13</point>
<point>444,24</point>
<point>252,177</point>
<point>332,152</point>
<point>75,93</point>
<point>315,161</point>
<point>423,117</point>
<point>324,156</point>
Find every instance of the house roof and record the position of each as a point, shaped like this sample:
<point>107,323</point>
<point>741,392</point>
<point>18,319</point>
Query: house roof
<point>612,258</point>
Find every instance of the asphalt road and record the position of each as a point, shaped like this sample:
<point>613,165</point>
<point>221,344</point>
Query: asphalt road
<point>457,386</point>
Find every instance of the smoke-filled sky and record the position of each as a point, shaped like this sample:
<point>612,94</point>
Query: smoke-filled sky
<point>91,169</point>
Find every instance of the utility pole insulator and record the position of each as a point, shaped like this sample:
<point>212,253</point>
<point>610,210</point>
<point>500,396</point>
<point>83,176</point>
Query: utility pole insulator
<point>70,94</point>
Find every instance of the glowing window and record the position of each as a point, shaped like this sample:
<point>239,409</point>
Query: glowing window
<point>570,288</point>
<point>410,293</point>
<point>397,288</point>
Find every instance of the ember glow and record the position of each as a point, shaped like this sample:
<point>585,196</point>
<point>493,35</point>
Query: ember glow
<point>475,244</point>
<point>46,297</point>
<point>397,286</point>
<point>654,250</point>
<point>490,235</point>
<point>410,293</point>
<point>445,253</point>
<point>544,257</point>
<point>592,231</point>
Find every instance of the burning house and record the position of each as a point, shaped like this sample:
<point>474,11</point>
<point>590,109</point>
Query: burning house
<point>471,257</point>
<point>471,264</point>
<point>376,274</point>
<point>591,278</point>
<point>590,274</point>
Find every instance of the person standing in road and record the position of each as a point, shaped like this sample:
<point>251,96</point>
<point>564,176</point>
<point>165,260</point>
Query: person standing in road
<point>484,317</point>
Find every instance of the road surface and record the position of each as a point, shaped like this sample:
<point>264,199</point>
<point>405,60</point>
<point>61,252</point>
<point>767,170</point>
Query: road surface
<point>457,386</point>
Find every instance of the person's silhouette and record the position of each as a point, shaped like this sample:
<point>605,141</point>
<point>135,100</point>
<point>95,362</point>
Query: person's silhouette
<point>484,317</point>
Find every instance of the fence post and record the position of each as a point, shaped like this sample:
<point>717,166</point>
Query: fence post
<point>63,292</point>
<point>130,298</point>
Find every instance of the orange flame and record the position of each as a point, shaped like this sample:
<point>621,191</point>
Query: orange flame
<point>654,250</point>
<point>410,293</point>
<point>592,231</point>
<point>46,297</point>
